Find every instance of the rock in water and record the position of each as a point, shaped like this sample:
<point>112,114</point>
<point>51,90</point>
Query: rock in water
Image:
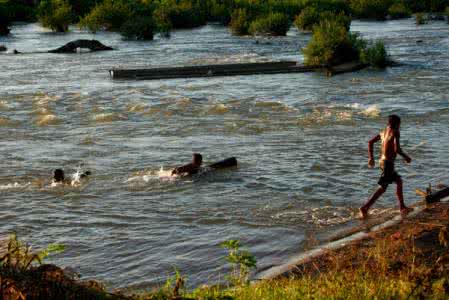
<point>71,47</point>
<point>3,48</point>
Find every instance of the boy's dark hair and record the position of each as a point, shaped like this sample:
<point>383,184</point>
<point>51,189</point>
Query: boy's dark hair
<point>394,121</point>
<point>197,158</point>
<point>58,175</point>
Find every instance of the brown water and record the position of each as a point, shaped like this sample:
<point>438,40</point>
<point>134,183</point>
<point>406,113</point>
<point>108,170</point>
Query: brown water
<point>300,139</point>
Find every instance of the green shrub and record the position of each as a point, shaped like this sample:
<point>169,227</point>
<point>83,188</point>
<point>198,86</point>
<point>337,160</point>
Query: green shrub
<point>242,261</point>
<point>331,44</point>
<point>376,55</point>
<point>420,19</point>
<point>447,14</point>
<point>184,14</point>
<point>55,14</point>
<point>162,22</point>
<point>399,10</point>
<point>219,12</point>
<point>109,15</point>
<point>370,9</point>
<point>5,18</point>
<point>139,28</point>
<point>276,24</point>
<point>240,22</point>
<point>308,18</point>
<point>438,5</point>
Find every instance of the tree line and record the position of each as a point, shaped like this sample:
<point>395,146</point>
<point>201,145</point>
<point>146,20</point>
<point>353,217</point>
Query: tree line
<point>141,19</point>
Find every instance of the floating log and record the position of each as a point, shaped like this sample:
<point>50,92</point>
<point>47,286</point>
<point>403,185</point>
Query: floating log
<point>225,163</point>
<point>212,70</point>
<point>72,47</point>
<point>345,68</point>
<point>437,196</point>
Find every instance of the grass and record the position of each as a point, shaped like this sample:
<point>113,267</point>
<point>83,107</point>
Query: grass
<point>407,261</point>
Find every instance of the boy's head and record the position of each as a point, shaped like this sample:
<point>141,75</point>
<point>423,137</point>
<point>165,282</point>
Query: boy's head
<point>394,121</point>
<point>58,175</point>
<point>197,159</point>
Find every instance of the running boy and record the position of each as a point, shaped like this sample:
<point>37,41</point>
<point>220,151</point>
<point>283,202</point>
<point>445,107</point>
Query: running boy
<point>389,149</point>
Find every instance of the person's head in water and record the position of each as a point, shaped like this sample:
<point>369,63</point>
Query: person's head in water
<point>394,121</point>
<point>197,159</point>
<point>58,175</point>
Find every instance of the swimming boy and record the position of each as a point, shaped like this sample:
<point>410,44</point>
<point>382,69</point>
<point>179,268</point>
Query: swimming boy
<point>191,168</point>
<point>389,149</point>
<point>59,177</point>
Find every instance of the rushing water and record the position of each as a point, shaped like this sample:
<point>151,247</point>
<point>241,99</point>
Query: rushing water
<point>300,139</point>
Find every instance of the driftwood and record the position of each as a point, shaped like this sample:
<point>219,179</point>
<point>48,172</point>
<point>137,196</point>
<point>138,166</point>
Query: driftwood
<point>225,163</point>
<point>432,197</point>
<point>72,47</point>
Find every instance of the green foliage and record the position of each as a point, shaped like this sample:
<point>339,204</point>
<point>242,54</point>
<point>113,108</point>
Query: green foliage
<point>182,14</point>
<point>5,18</point>
<point>140,28</point>
<point>109,15</point>
<point>420,19</point>
<point>83,7</point>
<point>275,24</point>
<point>376,55</point>
<point>219,12</point>
<point>241,260</point>
<point>239,22</point>
<point>447,14</point>
<point>312,16</point>
<point>399,10</point>
<point>308,18</point>
<point>19,256</point>
<point>331,44</point>
<point>370,9</point>
<point>438,5</point>
<point>55,14</point>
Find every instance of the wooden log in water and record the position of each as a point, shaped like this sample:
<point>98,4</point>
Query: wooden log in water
<point>345,68</point>
<point>437,196</point>
<point>225,163</point>
<point>212,70</point>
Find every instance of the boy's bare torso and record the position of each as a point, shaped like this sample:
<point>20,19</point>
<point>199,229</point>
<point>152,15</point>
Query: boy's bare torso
<point>389,144</point>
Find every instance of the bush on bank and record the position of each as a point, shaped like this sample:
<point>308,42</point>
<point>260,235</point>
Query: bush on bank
<point>139,28</point>
<point>399,10</point>
<point>311,17</point>
<point>333,44</point>
<point>55,14</point>
<point>370,9</point>
<point>239,22</point>
<point>275,24</point>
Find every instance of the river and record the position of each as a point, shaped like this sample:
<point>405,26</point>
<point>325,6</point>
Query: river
<point>301,142</point>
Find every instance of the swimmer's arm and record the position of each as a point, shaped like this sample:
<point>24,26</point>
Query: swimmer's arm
<point>370,150</point>
<point>398,148</point>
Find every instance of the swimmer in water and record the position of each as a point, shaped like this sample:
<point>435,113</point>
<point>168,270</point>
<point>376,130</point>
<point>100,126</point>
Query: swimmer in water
<point>190,169</point>
<point>59,177</point>
<point>390,147</point>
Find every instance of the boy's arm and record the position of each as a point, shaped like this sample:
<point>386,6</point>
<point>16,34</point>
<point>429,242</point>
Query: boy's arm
<point>370,150</point>
<point>398,148</point>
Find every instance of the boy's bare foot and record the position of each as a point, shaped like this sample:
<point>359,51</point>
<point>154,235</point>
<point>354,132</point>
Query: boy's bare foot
<point>405,210</point>
<point>363,213</point>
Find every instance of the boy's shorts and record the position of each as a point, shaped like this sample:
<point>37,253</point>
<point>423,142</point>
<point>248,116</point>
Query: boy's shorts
<point>389,175</point>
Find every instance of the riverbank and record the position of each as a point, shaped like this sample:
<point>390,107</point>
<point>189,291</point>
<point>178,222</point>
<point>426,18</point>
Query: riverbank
<point>407,259</point>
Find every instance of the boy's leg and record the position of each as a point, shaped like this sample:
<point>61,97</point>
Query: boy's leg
<point>400,196</point>
<point>364,209</point>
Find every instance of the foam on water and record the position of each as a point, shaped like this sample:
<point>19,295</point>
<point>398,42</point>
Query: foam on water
<point>15,186</point>
<point>151,175</point>
<point>327,215</point>
<point>49,119</point>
